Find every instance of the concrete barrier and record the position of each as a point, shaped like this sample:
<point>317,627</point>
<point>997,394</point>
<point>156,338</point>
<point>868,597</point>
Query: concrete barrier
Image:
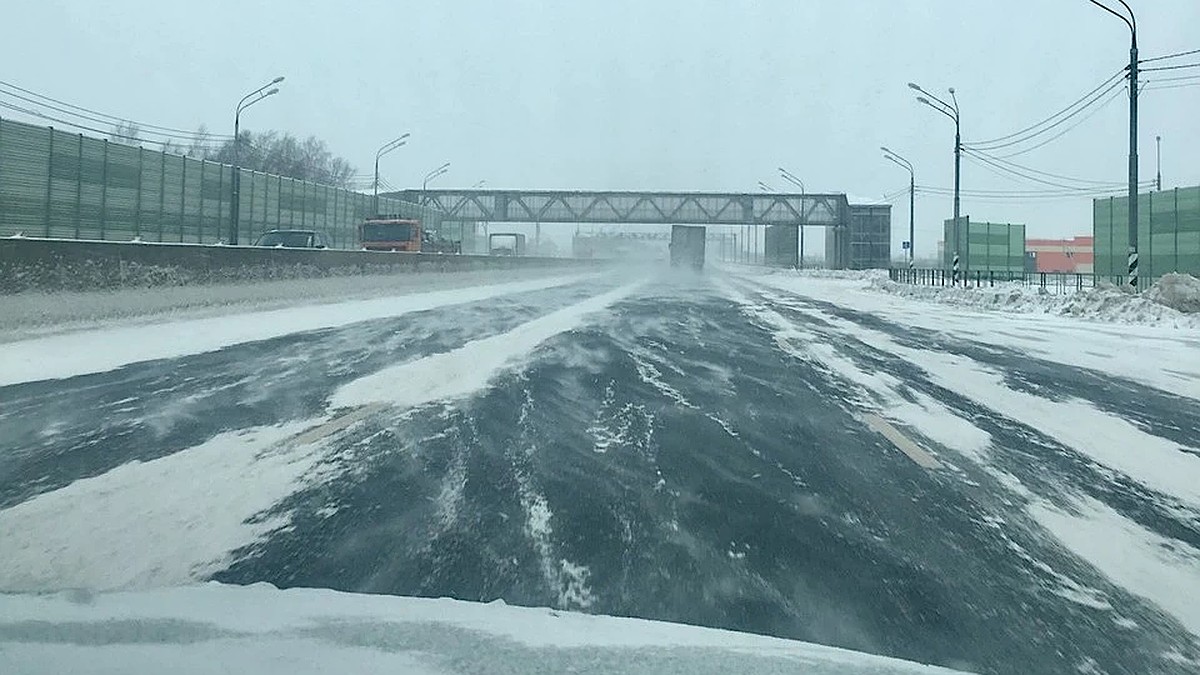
<point>72,265</point>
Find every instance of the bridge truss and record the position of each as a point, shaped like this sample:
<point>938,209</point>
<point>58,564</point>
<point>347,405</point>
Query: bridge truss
<point>646,208</point>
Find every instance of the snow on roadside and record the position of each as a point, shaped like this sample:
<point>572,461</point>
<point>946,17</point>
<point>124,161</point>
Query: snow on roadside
<point>1105,303</point>
<point>1158,356</point>
<point>1173,300</point>
<point>97,351</point>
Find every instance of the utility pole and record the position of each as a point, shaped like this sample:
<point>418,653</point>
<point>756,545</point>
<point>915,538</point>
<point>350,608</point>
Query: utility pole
<point>1131,23</point>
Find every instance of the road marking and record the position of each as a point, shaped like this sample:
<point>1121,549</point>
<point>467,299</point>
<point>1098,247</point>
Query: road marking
<point>915,452</point>
<point>335,425</point>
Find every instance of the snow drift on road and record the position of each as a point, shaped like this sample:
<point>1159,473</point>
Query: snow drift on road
<point>259,629</point>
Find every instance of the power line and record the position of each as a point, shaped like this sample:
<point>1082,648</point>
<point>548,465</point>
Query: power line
<point>1170,56</point>
<point>1177,67</point>
<point>1056,115</point>
<point>1073,179</point>
<point>1044,142</point>
<point>996,145</point>
<point>188,137</point>
<point>111,118</point>
<point>983,160</point>
<point>74,125</point>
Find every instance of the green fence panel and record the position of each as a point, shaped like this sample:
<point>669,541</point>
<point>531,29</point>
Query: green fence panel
<point>54,183</point>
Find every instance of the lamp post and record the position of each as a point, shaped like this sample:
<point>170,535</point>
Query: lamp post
<point>431,176</point>
<point>950,111</point>
<point>236,184</point>
<point>912,186</point>
<point>791,178</point>
<point>1158,163</point>
<point>383,150</point>
<point>1131,23</point>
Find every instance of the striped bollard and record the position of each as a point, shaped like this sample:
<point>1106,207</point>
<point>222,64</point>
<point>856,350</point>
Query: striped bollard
<point>954,281</point>
<point>1133,269</point>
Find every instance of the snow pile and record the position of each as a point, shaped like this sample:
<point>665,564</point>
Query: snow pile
<point>259,629</point>
<point>1177,291</point>
<point>1103,303</point>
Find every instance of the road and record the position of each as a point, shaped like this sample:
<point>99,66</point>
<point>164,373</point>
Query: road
<point>714,450</point>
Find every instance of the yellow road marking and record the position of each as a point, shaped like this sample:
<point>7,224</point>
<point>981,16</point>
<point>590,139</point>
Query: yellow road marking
<point>915,452</point>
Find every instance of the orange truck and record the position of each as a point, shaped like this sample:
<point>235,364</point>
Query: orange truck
<point>385,233</point>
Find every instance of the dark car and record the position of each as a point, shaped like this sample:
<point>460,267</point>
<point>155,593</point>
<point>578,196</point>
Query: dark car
<point>292,239</point>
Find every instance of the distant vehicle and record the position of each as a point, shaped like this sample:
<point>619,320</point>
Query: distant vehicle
<point>383,233</point>
<point>506,243</point>
<point>292,239</point>
<point>386,233</point>
<point>687,246</point>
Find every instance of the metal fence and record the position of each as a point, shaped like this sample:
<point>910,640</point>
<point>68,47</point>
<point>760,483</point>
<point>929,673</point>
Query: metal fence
<point>63,185</point>
<point>1053,282</point>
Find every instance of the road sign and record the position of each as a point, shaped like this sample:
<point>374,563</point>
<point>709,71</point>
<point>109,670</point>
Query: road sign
<point>906,245</point>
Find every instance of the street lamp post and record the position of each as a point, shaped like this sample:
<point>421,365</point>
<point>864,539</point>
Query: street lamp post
<point>431,176</point>
<point>950,111</point>
<point>383,150</point>
<point>236,184</point>
<point>1158,163</point>
<point>791,178</point>
<point>912,188</point>
<point>1131,23</point>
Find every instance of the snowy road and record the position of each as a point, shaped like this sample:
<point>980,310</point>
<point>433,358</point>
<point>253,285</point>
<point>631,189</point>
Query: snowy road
<point>777,454</point>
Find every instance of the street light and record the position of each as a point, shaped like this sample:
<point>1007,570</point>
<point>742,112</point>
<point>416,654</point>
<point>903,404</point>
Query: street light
<point>950,111</point>
<point>431,176</point>
<point>791,178</point>
<point>1158,163</point>
<point>236,184</point>
<point>765,188</point>
<point>912,185</point>
<point>1131,23</point>
<point>479,184</point>
<point>385,149</point>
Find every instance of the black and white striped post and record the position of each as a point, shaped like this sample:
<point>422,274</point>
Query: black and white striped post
<point>955,277</point>
<point>1133,268</point>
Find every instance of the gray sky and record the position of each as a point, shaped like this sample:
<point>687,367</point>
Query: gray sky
<point>619,94</point>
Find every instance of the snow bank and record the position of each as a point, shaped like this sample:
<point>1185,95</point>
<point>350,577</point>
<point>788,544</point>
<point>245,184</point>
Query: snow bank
<point>1177,291</point>
<point>1160,305</point>
<point>97,351</point>
<point>221,629</point>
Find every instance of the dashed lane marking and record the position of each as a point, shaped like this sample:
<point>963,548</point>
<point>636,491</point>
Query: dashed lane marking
<point>916,453</point>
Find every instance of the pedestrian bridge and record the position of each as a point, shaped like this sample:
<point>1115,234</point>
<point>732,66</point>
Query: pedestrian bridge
<point>647,208</point>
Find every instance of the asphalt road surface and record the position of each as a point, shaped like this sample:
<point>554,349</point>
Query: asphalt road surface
<point>678,453</point>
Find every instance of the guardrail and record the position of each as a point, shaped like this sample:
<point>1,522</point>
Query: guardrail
<point>1053,282</point>
<point>72,265</point>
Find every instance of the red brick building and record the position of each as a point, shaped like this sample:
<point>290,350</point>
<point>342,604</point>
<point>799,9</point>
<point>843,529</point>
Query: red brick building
<point>1076,254</point>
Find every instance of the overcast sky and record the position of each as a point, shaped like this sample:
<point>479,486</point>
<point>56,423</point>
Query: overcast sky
<point>617,94</point>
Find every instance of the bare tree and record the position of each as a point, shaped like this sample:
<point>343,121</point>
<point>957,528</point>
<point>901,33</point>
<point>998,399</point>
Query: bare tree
<point>199,147</point>
<point>126,132</point>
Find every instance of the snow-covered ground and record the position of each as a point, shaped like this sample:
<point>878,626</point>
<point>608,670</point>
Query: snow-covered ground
<point>1159,305</point>
<point>1161,352</point>
<point>258,629</point>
